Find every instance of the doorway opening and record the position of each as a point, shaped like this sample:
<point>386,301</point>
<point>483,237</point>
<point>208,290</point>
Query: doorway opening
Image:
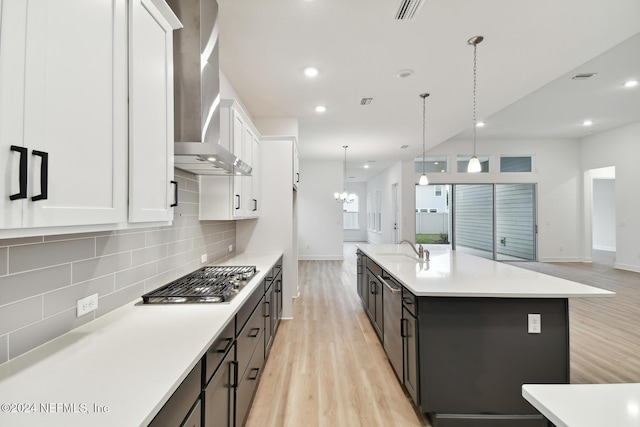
<point>600,216</point>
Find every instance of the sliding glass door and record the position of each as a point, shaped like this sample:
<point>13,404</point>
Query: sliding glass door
<point>495,221</point>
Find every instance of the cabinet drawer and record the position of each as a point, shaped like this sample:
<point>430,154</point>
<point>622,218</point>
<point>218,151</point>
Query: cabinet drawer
<point>248,384</point>
<point>374,268</point>
<point>247,308</point>
<point>175,411</point>
<point>410,302</point>
<point>219,349</point>
<point>248,339</point>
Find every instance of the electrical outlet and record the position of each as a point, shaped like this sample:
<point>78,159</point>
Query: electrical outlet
<point>203,258</point>
<point>535,325</point>
<point>87,305</point>
<point>230,248</point>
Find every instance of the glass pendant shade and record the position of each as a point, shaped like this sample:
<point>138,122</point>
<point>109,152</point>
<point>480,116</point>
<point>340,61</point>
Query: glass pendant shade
<point>423,180</point>
<point>474,165</point>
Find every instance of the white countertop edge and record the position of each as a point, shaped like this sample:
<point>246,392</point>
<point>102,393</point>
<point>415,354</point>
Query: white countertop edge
<point>446,276</point>
<point>526,393</point>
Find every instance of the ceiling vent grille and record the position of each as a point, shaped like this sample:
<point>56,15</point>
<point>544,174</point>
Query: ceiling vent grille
<point>583,76</point>
<point>366,101</point>
<point>407,9</point>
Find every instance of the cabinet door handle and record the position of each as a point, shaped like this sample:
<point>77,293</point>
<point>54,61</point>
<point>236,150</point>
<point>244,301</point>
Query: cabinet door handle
<point>403,331</point>
<point>226,347</point>
<point>237,201</point>
<point>254,332</point>
<point>175,194</point>
<point>233,374</point>
<point>44,175</point>
<point>256,372</point>
<point>297,177</point>
<point>391,288</point>
<point>267,309</point>
<point>255,205</point>
<point>22,193</point>
<point>278,286</point>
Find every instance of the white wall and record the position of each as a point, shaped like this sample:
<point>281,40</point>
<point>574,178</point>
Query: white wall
<point>620,148</point>
<point>604,214</point>
<point>320,233</point>
<point>383,183</point>
<point>360,190</point>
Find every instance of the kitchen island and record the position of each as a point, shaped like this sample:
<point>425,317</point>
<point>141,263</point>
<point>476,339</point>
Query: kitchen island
<point>121,369</point>
<point>472,331</point>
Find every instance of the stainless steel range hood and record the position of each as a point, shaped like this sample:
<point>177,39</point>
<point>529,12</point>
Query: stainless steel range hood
<point>197,92</point>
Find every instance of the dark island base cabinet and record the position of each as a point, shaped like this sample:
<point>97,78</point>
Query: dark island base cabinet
<point>183,407</point>
<point>371,295</point>
<point>475,354</point>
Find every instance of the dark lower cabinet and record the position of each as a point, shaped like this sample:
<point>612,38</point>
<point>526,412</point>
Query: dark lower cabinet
<point>374,298</point>
<point>248,383</point>
<point>179,409</point>
<point>219,394</point>
<point>278,295</point>
<point>269,315</point>
<point>411,367</point>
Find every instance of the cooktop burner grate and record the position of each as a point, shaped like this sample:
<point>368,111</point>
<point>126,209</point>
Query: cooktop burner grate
<point>206,285</point>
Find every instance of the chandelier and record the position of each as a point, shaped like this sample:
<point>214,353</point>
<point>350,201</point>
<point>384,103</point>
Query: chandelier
<point>344,197</point>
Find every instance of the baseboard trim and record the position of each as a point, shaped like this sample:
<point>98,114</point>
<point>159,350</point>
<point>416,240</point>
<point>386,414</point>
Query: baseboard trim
<point>628,267</point>
<point>320,257</point>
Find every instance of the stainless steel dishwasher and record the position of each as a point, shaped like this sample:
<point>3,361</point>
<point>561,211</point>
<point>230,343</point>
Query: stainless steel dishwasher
<point>392,314</point>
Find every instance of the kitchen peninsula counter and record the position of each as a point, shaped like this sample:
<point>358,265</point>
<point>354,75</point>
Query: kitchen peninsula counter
<point>473,331</point>
<point>119,369</point>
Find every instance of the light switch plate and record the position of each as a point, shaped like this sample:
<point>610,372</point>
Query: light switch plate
<point>203,258</point>
<point>87,305</point>
<point>534,324</point>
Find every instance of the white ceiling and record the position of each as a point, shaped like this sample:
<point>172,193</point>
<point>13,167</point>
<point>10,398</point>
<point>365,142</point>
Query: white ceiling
<point>524,64</point>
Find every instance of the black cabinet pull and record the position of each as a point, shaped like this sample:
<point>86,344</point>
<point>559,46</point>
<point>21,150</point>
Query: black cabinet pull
<point>234,374</point>
<point>403,334</point>
<point>267,306</point>
<point>297,177</point>
<point>22,193</point>
<point>254,332</point>
<point>226,347</point>
<point>175,194</point>
<point>279,286</point>
<point>255,205</point>
<point>238,201</point>
<point>44,175</point>
<point>256,374</point>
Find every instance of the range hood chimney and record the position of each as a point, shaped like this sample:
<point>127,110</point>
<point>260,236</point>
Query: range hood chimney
<point>196,71</point>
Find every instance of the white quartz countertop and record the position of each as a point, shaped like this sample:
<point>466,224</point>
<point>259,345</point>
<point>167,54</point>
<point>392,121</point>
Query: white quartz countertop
<point>457,274</point>
<point>586,405</point>
<point>119,369</point>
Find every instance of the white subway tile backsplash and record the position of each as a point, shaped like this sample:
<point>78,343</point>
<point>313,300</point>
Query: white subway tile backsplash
<point>41,278</point>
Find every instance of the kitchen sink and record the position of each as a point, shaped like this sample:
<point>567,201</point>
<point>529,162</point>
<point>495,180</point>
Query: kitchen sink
<point>398,257</point>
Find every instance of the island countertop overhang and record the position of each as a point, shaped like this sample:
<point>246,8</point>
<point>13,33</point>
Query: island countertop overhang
<point>450,273</point>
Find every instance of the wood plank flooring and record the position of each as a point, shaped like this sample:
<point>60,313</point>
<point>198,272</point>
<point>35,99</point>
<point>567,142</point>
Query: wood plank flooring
<point>327,367</point>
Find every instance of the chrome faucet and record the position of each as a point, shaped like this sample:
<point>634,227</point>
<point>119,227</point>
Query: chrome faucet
<point>421,251</point>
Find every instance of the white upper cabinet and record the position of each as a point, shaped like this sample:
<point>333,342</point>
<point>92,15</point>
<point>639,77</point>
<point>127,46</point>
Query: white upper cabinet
<point>296,166</point>
<point>152,191</point>
<point>63,112</point>
<point>237,197</point>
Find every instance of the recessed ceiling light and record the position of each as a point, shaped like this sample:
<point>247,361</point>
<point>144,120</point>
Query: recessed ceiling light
<point>480,124</point>
<point>435,163</point>
<point>631,83</point>
<point>321,109</point>
<point>211,159</point>
<point>403,74</point>
<point>587,123</point>
<point>311,71</point>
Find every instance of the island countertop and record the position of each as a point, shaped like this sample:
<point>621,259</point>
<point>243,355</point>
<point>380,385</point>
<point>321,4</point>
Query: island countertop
<point>450,273</point>
<point>119,369</point>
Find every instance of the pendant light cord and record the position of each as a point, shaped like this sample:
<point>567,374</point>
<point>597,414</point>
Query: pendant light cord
<point>475,46</point>
<point>424,113</point>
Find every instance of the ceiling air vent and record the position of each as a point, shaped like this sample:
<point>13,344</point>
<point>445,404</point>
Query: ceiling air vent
<point>583,76</point>
<point>407,9</point>
<point>366,101</point>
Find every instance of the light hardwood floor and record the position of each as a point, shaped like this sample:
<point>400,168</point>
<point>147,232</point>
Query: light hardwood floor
<point>327,367</point>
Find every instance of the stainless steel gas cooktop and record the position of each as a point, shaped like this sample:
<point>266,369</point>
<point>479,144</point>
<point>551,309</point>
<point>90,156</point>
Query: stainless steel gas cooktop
<point>206,285</point>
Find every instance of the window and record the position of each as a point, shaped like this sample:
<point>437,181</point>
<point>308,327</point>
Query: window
<point>431,164</point>
<point>437,190</point>
<point>515,164</point>
<point>350,214</point>
<point>463,163</point>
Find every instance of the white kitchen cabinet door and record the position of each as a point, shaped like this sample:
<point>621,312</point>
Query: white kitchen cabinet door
<point>12,41</point>
<point>152,191</point>
<point>296,167</point>
<point>75,112</point>
<point>256,202</point>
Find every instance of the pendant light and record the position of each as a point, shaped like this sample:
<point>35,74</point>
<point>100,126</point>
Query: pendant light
<point>474,164</point>
<point>344,197</point>
<point>423,178</point>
